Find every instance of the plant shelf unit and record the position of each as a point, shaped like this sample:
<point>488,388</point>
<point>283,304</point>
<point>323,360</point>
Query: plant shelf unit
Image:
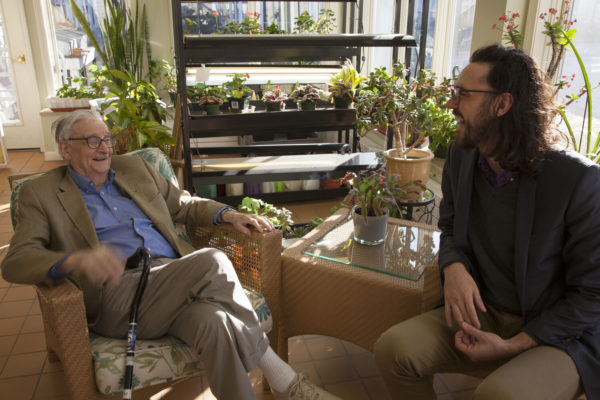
<point>286,161</point>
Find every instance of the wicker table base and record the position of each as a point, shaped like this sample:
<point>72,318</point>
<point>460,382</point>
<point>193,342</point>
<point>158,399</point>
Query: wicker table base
<point>328,298</point>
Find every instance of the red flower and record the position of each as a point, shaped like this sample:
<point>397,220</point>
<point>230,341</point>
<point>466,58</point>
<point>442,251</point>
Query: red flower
<point>494,26</point>
<point>250,13</point>
<point>502,18</point>
<point>247,75</point>
<point>515,15</point>
<point>552,11</point>
<point>510,27</point>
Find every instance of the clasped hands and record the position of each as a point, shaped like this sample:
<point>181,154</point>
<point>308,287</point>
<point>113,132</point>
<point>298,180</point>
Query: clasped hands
<point>462,300</point>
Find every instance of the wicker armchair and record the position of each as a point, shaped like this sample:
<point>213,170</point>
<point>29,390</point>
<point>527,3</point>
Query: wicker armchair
<point>257,259</point>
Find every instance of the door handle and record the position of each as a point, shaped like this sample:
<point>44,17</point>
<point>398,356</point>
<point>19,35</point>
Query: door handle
<point>20,59</point>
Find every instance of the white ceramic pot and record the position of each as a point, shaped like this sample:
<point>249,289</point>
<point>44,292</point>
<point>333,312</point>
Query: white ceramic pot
<point>369,230</point>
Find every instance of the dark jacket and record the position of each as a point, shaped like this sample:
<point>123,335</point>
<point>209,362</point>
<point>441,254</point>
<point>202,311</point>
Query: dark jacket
<point>557,250</point>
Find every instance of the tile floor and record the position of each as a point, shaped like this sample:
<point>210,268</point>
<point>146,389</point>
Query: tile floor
<point>25,372</point>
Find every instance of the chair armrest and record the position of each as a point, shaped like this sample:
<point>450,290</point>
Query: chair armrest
<point>433,293</point>
<point>67,336</point>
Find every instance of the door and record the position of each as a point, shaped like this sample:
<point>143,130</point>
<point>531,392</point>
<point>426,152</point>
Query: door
<point>19,98</point>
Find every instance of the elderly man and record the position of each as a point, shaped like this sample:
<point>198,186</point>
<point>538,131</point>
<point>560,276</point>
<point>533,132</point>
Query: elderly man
<point>520,250</point>
<point>83,220</point>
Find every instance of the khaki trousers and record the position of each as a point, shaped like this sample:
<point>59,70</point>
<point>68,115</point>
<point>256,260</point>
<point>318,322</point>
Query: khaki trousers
<point>411,352</point>
<point>197,298</point>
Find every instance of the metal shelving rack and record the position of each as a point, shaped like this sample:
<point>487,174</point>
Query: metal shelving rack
<point>196,50</point>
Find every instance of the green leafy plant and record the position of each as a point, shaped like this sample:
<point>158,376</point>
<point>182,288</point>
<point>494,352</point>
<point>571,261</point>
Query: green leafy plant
<point>125,36</point>
<point>326,22</point>
<point>235,86</point>
<point>280,217</point>
<point>134,113</point>
<point>300,230</point>
<point>273,29</point>
<point>204,94</point>
<point>304,23</point>
<point>403,105</point>
<point>561,34</point>
<point>345,82</point>
<point>274,95</point>
<point>373,192</point>
<point>306,93</point>
<point>164,76</point>
<point>75,88</point>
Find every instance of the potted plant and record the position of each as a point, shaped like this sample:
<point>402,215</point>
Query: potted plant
<point>399,105</point>
<point>206,97</point>
<point>371,196</point>
<point>73,95</point>
<point>342,86</point>
<point>306,96</point>
<point>238,93</point>
<point>134,113</point>
<point>273,97</point>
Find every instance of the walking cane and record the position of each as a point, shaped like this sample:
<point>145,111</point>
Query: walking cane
<point>141,254</point>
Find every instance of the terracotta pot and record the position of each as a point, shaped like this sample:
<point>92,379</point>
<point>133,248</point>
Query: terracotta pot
<point>414,168</point>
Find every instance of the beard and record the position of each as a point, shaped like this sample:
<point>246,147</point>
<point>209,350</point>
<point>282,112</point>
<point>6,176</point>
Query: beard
<point>473,134</point>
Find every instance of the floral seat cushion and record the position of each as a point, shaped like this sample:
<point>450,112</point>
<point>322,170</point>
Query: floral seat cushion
<point>155,361</point>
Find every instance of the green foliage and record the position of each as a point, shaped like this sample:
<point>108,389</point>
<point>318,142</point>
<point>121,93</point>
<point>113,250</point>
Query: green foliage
<point>273,29</point>
<point>77,92</point>
<point>204,94</point>
<point>326,22</point>
<point>393,101</point>
<point>345,82</point>
<point>305,93</point>
<point>304,23</point>
<point>280,217</point>
<point>134,113</point>
<point>236,87</point>
<point>249,25</point>
<point>163,75</point>
<point>301,230</point>
<point>373,192</point>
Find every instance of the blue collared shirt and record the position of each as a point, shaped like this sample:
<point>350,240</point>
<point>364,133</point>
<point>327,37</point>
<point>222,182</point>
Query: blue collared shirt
<point>118,220</point>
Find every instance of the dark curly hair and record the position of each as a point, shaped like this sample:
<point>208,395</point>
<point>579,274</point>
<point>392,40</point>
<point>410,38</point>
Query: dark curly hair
<point>519,139</point>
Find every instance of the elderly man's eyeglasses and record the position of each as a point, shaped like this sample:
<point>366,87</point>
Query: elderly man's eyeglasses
<point>94,141</point>
<point>456,92</point>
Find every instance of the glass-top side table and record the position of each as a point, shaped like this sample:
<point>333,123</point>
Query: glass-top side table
<point>406,251</point>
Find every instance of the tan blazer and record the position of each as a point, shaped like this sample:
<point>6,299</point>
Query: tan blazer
<point>53,220</point>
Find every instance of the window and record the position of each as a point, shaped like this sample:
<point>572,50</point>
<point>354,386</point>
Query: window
<point>73,52</point>
<point>225,17</point>
<point>9,109</point>
<point>587,14</point>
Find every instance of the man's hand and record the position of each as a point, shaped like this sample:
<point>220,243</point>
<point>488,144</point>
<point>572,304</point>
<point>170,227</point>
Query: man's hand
<point>483,346</point>
<point>461,296</point>
<point>100,265</point>
<point>242,221</point>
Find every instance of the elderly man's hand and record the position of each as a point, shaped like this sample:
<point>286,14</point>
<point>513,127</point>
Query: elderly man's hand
<point>100,265</point>
<point>243,222</point>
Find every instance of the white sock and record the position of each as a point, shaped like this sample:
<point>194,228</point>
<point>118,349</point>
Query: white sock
<point>277,372</point>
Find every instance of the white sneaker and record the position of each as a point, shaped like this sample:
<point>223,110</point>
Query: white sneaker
<point>303,389</point>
